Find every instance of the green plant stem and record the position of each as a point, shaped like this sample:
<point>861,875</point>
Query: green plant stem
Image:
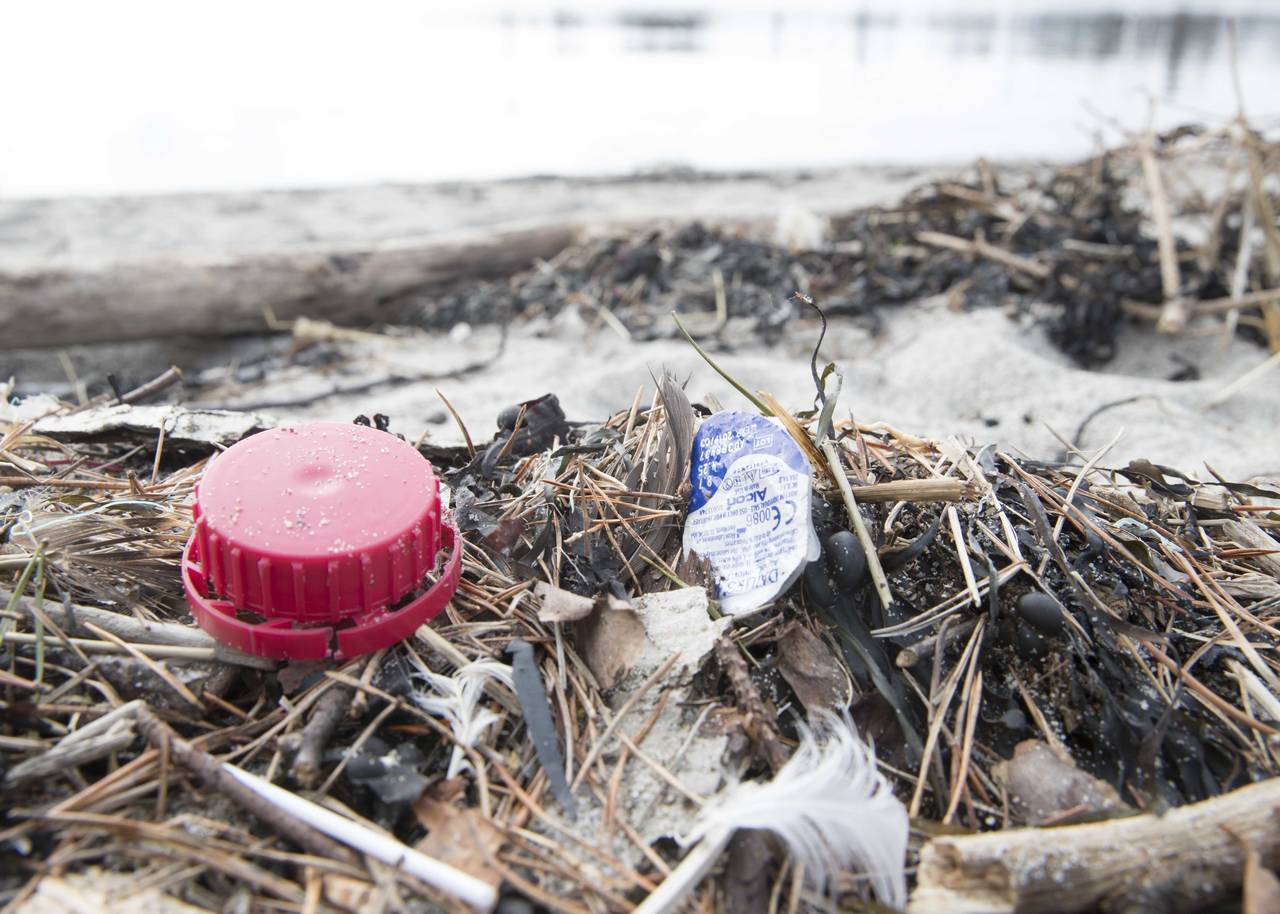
<point>754,400</point>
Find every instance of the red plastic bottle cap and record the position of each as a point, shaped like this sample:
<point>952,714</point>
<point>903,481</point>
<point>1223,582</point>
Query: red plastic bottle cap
<point>316,540</point>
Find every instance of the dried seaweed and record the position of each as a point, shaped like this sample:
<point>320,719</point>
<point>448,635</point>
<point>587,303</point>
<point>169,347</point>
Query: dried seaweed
<point>1069,245</point>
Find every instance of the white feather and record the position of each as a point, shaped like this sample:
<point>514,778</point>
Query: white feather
<point>830,805</point>
<point>457,700</point>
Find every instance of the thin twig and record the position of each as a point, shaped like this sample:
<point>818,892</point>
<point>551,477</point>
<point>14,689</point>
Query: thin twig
<point>859,525</point>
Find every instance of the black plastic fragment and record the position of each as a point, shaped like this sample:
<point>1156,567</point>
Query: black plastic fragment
<point>391,772</point>
<point>537,717</point>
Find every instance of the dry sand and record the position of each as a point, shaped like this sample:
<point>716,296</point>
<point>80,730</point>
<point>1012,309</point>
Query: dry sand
<point>981,376</point>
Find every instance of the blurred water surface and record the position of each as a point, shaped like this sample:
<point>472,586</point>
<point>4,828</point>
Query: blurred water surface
<point>158,96</point>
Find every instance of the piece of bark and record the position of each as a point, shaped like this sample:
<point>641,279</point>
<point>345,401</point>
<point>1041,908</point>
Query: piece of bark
<point>1249,535</point>
<point>1184,860</point>
<point>135,300</point>
<point>112,732</point>
<point>759,718</point>
<point>1251,587</point>
<point>98,889</point>
<point>200,429</point>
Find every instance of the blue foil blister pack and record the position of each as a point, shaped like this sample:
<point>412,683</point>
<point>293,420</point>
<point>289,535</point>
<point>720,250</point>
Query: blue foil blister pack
<point>749,513</point>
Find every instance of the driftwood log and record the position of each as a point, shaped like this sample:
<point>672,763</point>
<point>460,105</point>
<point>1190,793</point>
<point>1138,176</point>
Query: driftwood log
<point>1182,861</point>
<point>164,296</point>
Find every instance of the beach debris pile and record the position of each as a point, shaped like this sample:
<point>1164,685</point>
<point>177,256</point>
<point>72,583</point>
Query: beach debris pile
<point>1174,229</point>
<point>1050,660</point>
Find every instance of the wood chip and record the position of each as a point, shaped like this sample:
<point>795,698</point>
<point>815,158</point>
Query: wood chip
<point>560,605</point>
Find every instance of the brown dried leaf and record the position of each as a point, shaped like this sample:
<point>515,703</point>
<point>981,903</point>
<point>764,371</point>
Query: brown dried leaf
<point>812,670</point>
<point>559,605</point>
<point>502,537</point>
<point>459,836</point>
<point>1043,787</point>
<point>610,641</point>
<point>877,723</point>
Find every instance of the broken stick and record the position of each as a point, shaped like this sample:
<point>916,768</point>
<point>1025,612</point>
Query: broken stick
<point>213,774</point>
<point>980,247</point>
<point>330,710</point>
<point>1173,315</point>
<point>943,489</point>
<point>1183,860</point>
